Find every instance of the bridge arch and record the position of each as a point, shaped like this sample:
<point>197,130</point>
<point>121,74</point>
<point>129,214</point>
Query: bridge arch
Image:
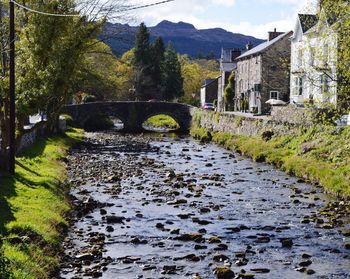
<point>133,114</point>
<point>175,117</point>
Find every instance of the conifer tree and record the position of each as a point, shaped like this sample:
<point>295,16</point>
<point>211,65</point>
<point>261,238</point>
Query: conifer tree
<point>158,50</point>
<point>172,78</point>
<point>144,83</point>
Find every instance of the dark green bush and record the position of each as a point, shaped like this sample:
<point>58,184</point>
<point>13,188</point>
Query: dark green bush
<point>4,272</point>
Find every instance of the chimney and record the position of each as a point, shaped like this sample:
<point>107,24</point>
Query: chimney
<point>235,53</point>
<point>274,34</point>
<point>249,46</point>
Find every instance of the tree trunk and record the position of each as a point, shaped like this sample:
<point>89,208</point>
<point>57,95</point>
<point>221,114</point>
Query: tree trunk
<point>4,123</point>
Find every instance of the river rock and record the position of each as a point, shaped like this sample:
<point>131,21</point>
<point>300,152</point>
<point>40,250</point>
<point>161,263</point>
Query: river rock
<point>223,272</point>
<point>286,242</point>
<point>115,219</point>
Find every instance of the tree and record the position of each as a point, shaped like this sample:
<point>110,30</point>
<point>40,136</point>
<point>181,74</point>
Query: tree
<point>144,83</point>
<point>230,92</point>
<point>46,73</point>
<point>172,78</point>
<point>158,50</point>
<point>211,55</point>
<point>329,72</point>
<point>193,73</point>
<point>50,51</point>
<point>98,74</point>
<point>338,14</point>
<point>125,76</point>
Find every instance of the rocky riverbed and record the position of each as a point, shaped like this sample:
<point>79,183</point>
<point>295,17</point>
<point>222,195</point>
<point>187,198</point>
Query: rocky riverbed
<point>170,207</point>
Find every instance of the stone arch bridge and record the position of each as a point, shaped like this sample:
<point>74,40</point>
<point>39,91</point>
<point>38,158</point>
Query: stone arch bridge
<point>132,114</point>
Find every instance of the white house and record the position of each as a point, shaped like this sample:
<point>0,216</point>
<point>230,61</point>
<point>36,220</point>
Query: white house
<point>313,61</point>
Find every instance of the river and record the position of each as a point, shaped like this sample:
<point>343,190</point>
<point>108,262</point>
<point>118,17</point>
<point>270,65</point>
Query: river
<point>156,206</point>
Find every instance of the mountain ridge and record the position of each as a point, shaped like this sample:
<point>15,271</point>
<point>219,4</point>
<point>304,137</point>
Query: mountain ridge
<point>185,37</point>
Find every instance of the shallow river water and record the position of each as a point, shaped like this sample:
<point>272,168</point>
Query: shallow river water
<point>170,207</point>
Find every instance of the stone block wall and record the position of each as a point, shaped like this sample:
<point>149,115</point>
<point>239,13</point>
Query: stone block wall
<point>290,114</point>
<point>240,125</point>
<point>30,135</point>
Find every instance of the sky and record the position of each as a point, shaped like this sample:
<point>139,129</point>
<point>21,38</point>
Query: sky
<point>249,17</point>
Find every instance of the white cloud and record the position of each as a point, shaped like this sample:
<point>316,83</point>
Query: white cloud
<point>196,13</point>
<point>227,3</point>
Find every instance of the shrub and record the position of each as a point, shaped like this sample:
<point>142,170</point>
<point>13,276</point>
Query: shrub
<point>4,272</point>
<point>267,135</point>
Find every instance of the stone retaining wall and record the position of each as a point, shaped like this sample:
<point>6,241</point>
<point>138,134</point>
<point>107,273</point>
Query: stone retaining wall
<point>30,135</point>
<point>37,130</point>
<point>289,114</point>
<point>240,125</point>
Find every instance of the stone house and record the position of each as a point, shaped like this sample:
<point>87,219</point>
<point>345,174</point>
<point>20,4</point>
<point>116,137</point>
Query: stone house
<point>313,60</point>
<point>263,73</point>
<point>209,90</point>
<point>227,65</point>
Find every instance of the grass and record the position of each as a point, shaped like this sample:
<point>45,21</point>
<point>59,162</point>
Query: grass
<point>319,155</point>
<point>163,121</point>
<point>33,207</point>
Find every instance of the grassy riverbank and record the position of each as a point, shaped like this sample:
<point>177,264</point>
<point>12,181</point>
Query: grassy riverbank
<point>163,121</point>
<point>33,206</point>
<point>319,154</point>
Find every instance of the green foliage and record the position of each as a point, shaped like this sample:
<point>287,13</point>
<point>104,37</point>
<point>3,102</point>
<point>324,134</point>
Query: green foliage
<point>98,74</point>
<point>338,11</point>
<point>143,63</point>
<point>125,76</point>
<point>52,49</point>
<point>4,272</point>
<point>172,78</point>
<point>229,93</point>
<point>143,54</point>
<point>158,51</point>
<point>193,73</point>
<point>163,121</point>
<point>33,207</point>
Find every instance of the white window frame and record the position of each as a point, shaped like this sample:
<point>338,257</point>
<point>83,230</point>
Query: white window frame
<point>277,95</point>
<point>298,86</point>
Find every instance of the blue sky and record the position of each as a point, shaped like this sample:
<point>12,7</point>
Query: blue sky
<point>250,17</point>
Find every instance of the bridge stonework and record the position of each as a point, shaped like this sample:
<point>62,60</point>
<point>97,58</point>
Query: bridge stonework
<point>132,114</point>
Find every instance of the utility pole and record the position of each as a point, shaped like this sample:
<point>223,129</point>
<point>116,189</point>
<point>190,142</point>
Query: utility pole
<point>12,96</point>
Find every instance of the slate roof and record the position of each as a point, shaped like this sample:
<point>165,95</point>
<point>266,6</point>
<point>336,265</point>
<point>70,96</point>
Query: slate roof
<point>307,21</point>
<point>262,47</point>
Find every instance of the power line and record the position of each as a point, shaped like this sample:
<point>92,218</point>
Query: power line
<point>42,13</point>
<point>77,15</point>
<point>149,5</point>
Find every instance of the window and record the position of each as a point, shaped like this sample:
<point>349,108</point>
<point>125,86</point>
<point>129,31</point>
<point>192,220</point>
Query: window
<point>298,86</point>
<point>324,80</point>
<point>274,95</point>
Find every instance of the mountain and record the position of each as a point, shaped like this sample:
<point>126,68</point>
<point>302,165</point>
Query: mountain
<point>185,37</point>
